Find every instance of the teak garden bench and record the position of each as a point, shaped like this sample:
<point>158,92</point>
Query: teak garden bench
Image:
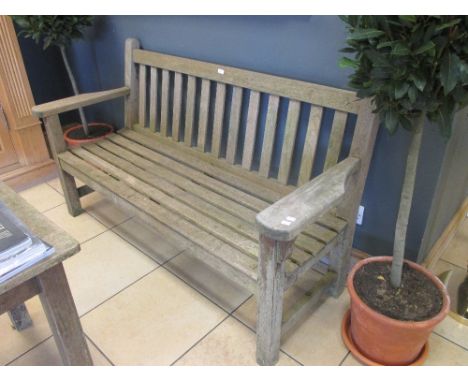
<point>186,164</point>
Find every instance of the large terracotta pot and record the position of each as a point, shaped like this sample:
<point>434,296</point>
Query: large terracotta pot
<point>385,340</point>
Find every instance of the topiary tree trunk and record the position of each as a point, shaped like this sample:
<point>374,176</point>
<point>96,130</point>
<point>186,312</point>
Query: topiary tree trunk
<point>406,199</point>
<point>75,88</point>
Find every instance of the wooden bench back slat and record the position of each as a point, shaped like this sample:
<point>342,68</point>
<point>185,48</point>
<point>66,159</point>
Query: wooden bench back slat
<point>234,122</point>
<point>190,110</point>
<point>142,97</point>
<point>177,106</point>
<point>202,98</point>
<point>204,111</point>
<point>310,145</point>
<point>218,119</point>
<point>336,139</point>
<point>164,103</point>
<point>269,135</point>
<point>292,122</point>
<point>153,99</point>
<point>251,129</point>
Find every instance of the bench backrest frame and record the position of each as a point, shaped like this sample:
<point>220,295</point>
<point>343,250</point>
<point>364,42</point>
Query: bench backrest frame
<point>148,75</point>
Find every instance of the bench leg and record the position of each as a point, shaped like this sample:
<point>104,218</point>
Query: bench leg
<point>339,263</point>
<point>70,192</point>
<point>270,298</point>
<point>57,146</point>
<point>20,318</point>
<point>61,313</point>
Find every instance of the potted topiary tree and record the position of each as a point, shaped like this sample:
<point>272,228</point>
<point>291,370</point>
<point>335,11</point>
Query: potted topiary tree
<point>59,31</point>
<point>414,68</point>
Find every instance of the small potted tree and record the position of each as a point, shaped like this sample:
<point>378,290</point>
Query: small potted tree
<point>59,31</point>
<point>413,68</point>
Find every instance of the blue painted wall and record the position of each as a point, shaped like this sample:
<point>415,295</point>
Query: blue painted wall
<point>300,47</point>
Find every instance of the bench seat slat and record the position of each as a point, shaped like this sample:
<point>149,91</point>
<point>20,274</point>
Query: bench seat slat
<point>266,192</point>
<point>104,183</point>
<point>166,179</point>
<point>121,168</point>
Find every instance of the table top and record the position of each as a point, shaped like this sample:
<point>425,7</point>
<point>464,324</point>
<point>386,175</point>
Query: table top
<point>65,245</point>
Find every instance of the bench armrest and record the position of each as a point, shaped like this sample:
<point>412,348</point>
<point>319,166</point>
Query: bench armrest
<point>286,218</point>
<point>77,101</point>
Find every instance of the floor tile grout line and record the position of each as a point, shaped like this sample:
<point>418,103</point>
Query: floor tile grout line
<point>293,358</point>
<point>30,349</point>
<point>48,209</point>
<point>140,250</point>
<point>199,340</point>
<point>451,341</point>
<point>196,290</point>
<point>173,257</point>
<point>344,359</point>
<point>121,290</point>
<point>94,237</point>
<point>98,348</point>
<point>255,333</point>
<point>242,303</point>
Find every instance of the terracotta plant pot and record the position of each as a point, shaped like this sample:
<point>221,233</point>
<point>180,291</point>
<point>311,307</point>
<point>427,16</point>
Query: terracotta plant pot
<point>101,130</point>
<point>385,340</point>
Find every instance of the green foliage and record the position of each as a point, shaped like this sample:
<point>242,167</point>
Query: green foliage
<point>409,64</point>
<point>52,30</point>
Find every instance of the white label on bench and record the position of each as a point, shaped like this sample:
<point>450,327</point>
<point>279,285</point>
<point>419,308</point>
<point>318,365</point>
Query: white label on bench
<point>220,71</point>
<point>291,218</point>
<point>285,222</point>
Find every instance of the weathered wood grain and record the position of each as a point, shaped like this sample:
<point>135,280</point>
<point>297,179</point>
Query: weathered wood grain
<point>218,119</point>
<point>320,95</point>
<point>270,298</point>
<point>234,123</point>
<point>190,111</point>
<point>142,96</point>
<point>269,136</point>
<point>251,129</point>
<point>164,103</point>
<point>176,106</point>
<point>287,151</point>
<point>284,219</point>
<point>153,105</point>
<point>310,145</point>
<point>59,307</point>
<point>203,116</point>
<point>75,102</point>
<point>336,139</point>
<point>57,146</point>
<point>131,82</point>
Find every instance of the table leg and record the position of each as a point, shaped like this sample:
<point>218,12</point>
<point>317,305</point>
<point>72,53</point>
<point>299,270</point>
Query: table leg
<point>63,318</point>
<point>20,318</point>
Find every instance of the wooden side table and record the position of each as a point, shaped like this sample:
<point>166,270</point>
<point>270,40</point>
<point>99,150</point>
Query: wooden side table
<point>48,280</point>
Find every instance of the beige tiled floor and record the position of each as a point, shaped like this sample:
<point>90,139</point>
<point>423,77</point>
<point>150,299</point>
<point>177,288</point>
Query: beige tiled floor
<point>144,300</point>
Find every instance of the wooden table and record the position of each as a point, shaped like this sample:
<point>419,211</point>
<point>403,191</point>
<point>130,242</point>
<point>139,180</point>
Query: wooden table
<point>46,279</point>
